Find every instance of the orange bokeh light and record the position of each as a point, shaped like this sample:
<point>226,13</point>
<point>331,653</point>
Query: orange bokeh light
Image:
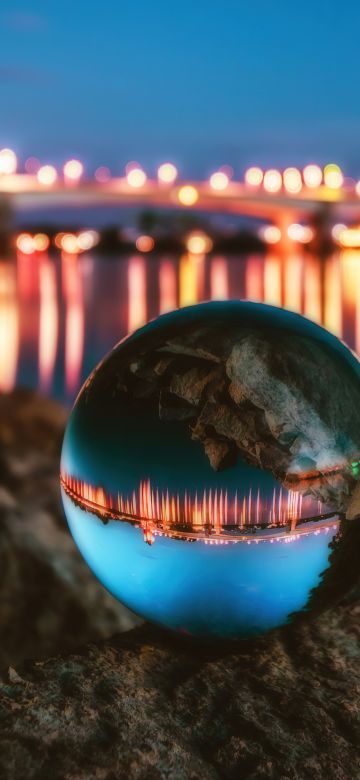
<point>41,242</point>
<point>25,243</point>
<point>136,177</point>
<point>272,180</point>
<point>73,169</point>
<point>292,180</point>
<point>219,180</point>
<point>198,243</point>
<point>8,161</point>
<point>167,173</point>
<point>46,175</point>
<point>188,195</point>
<point>312,176</point>
<point>145,243</point>
<point>254,176</point>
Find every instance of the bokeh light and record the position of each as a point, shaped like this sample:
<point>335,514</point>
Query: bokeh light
<point>136,177</point>
<point>198,243</point>
<point>69,243</point>
<point>8,161</point>
<point>271,234</point>
<point>25,243</point>
<point>87,239</point>
<point>333,176</point>
<point>272,180</point>
<point>254,176</point>
<point>102,174</point>
<point>144,243</point>
<point>167,173</point>
<point>313,176</point>
<point>46,175</point>
<point>73,170</point>
<point>347,237</point>
<point>41,242</point>
<point>188,195</point>
<point>292,180</point>
<point>302,234</point>
<point>219,180</point>
<point>337,231</point>
<point>32,165</point>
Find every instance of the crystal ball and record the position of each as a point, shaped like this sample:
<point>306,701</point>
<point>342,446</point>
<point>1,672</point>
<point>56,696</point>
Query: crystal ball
<point>209,469</point>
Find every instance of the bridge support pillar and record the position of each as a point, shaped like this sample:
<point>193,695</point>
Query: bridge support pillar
<point>6,223</point>
<point>283,221</point>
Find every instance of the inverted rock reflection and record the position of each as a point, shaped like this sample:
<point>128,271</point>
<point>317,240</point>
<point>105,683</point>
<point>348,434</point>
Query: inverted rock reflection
<point>225,424</point>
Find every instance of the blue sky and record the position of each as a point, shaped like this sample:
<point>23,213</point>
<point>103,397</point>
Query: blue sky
<point>201,82</point>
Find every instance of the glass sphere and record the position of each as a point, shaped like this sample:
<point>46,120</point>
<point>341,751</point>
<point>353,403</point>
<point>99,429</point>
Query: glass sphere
<point>208,465</point>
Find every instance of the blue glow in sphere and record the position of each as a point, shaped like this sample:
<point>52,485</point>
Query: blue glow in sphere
<point>208,465</point>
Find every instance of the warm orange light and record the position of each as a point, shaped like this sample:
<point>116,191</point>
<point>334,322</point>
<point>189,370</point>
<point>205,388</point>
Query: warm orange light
<point>48,323</point>
<point>41,242</point>
<point>167,173</point>
<point>69,243</point>
<point>136,177</point>
<point>219,279</point>
<point>58,239</point>
<point>273,280</point>
<point>254,176</point>
<point>102,174</point>
<point>9,327</point>
<point>292,180</point>
<point>333,176</point>
<point>348,237</point>
<point>300,233</point>
<point>188,195</point>
<point>25,243</point>
<point>87,239</point>
<point>219,180</point>
<point>312,176</point>
<point>271,234</point>
<point>145,243</point>
<point>74,321</point>
<point>337,231</point>
<point>137,312</point>
<point>73,170</point>
<point>188,280</point>
<point>198,243</point>
<point>46,175</point>
<point>272,180</point>
<point>167,286</point>
<point>8,161</point>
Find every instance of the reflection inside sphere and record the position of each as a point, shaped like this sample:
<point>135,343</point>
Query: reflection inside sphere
<point>208,465</point>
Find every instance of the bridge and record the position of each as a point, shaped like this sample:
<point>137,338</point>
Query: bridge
<point>280,198</point>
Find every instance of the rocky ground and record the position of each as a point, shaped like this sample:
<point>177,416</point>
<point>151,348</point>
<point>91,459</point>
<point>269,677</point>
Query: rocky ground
<point>143,704</point>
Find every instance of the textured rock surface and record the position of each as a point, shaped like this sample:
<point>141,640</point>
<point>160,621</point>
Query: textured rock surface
<point>146,706</point>
<point>50,601</point>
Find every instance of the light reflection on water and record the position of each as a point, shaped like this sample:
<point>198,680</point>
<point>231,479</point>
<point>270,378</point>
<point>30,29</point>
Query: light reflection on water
<point>60,315</point>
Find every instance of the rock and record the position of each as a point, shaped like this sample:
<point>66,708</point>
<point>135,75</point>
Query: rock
<point>191,385</point>
<point>353,509</point>
<point>148,705</point>
<point>50,601</point>
<point>221,454</point>
<point>172,408</point>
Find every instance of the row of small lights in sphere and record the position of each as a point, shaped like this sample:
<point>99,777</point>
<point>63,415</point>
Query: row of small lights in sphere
<point>292,180</point>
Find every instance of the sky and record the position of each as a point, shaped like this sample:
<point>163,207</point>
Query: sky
<point>201,82</point>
